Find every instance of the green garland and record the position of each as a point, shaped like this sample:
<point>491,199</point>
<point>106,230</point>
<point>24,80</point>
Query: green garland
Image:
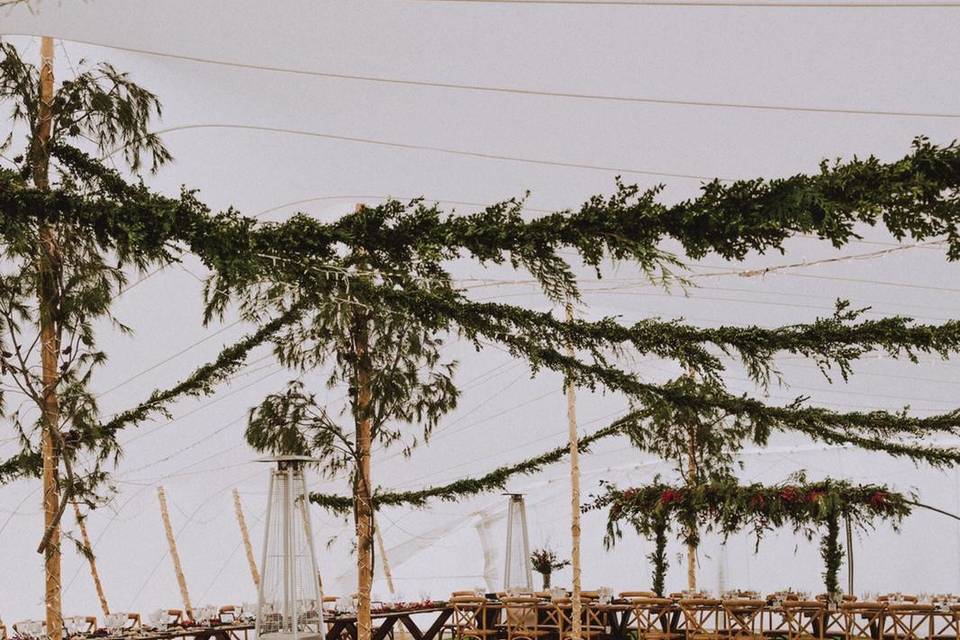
<point>726,507</point>
<point>833,341</point>
<point>912,197</point>
<point>466,487</point>
<point>201,381</point>
<point>207,376</point>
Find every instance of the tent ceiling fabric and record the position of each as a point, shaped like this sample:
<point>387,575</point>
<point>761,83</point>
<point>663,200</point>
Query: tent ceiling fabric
<point>891,60</point>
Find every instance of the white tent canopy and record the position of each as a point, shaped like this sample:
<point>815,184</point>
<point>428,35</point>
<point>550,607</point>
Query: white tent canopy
<point>275,108</point>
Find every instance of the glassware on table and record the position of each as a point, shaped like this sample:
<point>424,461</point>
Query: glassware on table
<point>248,611</point>
<point>606,595</point>
<point>115,622</point>
<point>157,618</point>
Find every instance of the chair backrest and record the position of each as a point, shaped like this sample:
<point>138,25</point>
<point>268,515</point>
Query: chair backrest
<point>860,619</point>
<point>652,616</point>
<point>468,614</point>
<point>637,594</point>
<point>228,613</point>
<point>133,621</point>
<point>743,616</point>
<point>174,616</point>
<point>804,618</point>
<point>520,614</point>
<point>909,621</point>
<point>702,617</point>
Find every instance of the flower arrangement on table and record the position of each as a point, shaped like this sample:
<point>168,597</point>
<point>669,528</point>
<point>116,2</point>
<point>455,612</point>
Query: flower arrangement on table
<point>545,562</point>
<point>725,506</point>
<point>388,607</point>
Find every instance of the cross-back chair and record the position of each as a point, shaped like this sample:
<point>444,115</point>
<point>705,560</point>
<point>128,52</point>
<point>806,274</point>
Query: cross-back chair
<point>908,621</point>
<point>744,618</point>
<point>656,619</point>
<point>805,619</point>
<point>521,618</point>
<point>703,618</point>
<point>468,618</point>
<point>862,620</point>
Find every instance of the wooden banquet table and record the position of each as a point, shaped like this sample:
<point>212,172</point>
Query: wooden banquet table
<point>618,620</point>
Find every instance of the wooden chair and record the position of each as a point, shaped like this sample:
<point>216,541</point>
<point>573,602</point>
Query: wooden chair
<point>133,622</point>
<point>629,595</point>
<point>521,618</point>
<point>945,624</point>
<point>775,623</point>
<point>469,618</point>
<point>559,619</point>
<point>805,619</point>
<point>744,618</point>
<point>228,613</point>
<point>20,628</point>
<point>702,618</point>
<point>862,620</point>
<point>908,621</point>
<point>656,619</point>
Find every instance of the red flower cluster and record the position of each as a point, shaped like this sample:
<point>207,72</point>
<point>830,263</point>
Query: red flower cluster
<point>878,499</point>
<point>757,500</point>
<point>789,494</point>
<point>814,496</point>
<point>671,495</point>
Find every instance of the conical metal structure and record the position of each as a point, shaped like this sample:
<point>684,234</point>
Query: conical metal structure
<point>289,599</point>
<point>518,572</point>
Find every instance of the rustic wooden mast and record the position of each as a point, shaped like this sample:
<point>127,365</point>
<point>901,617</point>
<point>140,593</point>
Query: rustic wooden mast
<point>245,535</point>
<point>692,479</point>
<point>576,630</point>
<point>362,504</point>
<point>172,542</point>
<point>49,266</point>
<point>91,559</point>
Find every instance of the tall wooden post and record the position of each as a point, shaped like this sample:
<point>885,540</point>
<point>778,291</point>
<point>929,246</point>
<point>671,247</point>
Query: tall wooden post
<point>691,482</point>
<point>49,269</point>
<point>172,542</point>
<point>363,421</point>
<point>245,535</point>
<point>91,559</point>
<point>382,551</point>
<point>576,626</point>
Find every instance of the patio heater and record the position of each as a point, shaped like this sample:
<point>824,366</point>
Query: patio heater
<point>289,600</point>
<point>518,572</point>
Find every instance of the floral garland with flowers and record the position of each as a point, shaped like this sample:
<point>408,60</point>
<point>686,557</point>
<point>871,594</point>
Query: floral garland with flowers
<point>725,506</point>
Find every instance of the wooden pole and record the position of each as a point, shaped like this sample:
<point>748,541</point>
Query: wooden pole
<point>91,560</point>
<point>49,269</point>
<point>576,626</point>
<point>691,482</point>
<point>849,526</point>
<point>245,535</point>
<point>382,551</point>
<point>362,505</point>
<point>172,542</point>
